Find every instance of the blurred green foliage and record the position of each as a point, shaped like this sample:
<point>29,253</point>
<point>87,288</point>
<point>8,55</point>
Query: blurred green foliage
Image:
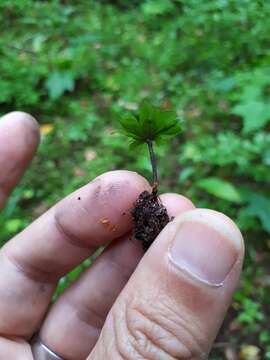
<point>77,66</point>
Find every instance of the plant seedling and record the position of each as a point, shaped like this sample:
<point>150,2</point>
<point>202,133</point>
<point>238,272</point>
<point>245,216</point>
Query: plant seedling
<point>149,126</point>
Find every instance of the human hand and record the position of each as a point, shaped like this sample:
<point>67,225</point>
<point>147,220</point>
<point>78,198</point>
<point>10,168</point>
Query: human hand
<point>166,304</point>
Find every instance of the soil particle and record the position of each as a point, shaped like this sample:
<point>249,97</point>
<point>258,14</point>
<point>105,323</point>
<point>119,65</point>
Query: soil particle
<point>108,225</point>
<point>104,221</point>
<point>149,218</point>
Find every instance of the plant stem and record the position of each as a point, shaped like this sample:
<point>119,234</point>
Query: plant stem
<point>153,163</point>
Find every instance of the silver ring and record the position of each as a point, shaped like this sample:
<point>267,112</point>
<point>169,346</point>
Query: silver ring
<point>42,352</point>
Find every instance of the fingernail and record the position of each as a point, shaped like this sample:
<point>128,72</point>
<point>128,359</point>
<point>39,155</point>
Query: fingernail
<point>204,252</point>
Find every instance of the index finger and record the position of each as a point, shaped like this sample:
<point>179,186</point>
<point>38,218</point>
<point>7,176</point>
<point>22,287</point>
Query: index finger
<point>32,263</point>
<point>19,137</point>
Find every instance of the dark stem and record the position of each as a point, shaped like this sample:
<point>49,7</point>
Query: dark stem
<point>154,164</point>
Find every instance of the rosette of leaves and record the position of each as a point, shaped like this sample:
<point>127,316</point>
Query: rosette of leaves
<point>150,125</point>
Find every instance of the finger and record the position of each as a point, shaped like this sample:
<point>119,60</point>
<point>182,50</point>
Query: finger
<point>32,263</point>
<point>73,325</point>
<point>175,302</point>
<point>19,138</point>
<point>15,349</point>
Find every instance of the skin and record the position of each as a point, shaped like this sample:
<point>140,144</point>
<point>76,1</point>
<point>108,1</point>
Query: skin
<point>128,305</point>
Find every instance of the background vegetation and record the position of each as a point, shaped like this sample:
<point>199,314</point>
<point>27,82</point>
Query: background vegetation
<point>77,65</point>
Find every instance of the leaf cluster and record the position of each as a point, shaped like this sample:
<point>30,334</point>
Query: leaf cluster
<point>150,123</point>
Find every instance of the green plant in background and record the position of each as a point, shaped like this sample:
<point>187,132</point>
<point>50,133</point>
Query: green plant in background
<point>148,126</point>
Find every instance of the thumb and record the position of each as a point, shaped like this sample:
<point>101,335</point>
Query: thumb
<point>175,302</point>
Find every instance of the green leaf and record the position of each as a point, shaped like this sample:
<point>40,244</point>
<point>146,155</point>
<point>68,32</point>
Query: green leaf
<point>259,206</point>
<point>256,114</point>
<point>59,82</point>
<point>157,7</point>
<point>150,123</point>
<point>131,126</point>
<point>135,144</point>
<point>14,225</point>
<point>185,174</point>
<point>221,189</point>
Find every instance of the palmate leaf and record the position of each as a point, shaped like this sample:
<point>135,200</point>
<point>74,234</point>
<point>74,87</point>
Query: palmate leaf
<point>131,126</point>
<point>150,123</point>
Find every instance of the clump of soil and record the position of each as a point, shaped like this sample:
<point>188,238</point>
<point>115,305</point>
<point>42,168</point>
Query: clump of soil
<point>149,218</point>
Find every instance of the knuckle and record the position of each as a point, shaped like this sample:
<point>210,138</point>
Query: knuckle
<point>156,332</point>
